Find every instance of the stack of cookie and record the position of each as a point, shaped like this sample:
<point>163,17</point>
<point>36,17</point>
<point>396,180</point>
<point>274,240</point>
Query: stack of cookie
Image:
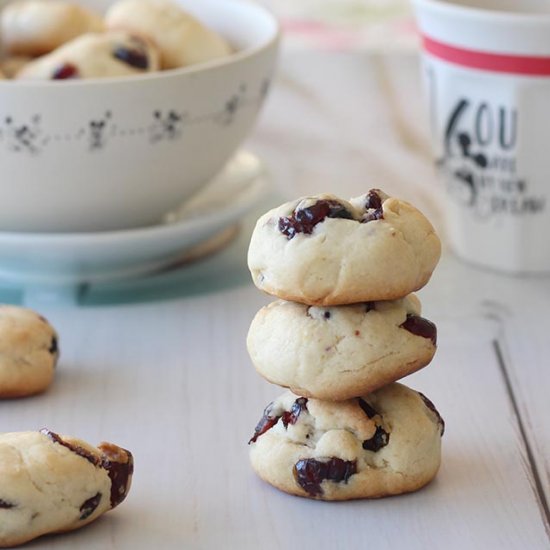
<point>344,329</point>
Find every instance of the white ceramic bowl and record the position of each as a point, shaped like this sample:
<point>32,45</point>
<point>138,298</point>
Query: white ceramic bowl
<point>47,261</point>
<point>106,154</point>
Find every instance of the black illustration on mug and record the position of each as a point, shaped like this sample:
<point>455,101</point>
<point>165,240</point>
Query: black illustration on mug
<point>232,106</point>
<point>24,138</point>
<point>98,131</point>
<point>166,125</point>
<point>468,174</point>
<point>479,146</point>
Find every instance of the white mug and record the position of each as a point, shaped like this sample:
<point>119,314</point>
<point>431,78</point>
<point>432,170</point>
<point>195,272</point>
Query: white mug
<point>487,69</point>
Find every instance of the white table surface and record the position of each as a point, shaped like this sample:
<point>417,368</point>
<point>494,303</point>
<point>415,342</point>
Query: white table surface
<point>171,380</point>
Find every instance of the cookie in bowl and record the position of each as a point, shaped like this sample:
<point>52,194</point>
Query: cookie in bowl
<point>336,353</point>
<point>95,55</point>
<point>13,64</point>
<point>35,27</point>
<point>385,443</point>
<point>326,251</point>
<point>53,483</point>
<point>29,350</point>
<point>181,38</point>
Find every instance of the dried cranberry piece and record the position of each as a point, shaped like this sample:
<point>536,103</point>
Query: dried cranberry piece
<point>132,56</point>
<point>269,420</point>
<point>65,71</point>
<point>54,346</point>
<point>374,200</point>
<point>304,220</point>
<point>89,506</point>
<point>380,439</point>
<point>297,407</point>
<point>5,505</point>
<point>266,423</point>
<point>432,408</point>
<point>367,409</point>
<point>420,327</point>
<point>373,205</point>
<point>119,464</point>
<point>309,473</point>
<point>340,470</point>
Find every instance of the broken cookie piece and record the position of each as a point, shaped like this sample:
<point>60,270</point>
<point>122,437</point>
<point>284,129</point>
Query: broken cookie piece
<point>53,483</point>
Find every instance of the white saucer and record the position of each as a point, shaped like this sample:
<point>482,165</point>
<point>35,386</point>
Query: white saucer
<point>61,259</point>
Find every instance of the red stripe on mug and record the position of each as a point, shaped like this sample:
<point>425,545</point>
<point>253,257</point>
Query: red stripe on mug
<point>500,63</point>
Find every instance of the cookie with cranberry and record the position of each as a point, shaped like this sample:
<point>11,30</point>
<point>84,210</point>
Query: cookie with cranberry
<point>95,55</point>
<point>35,27</point>
<point>339,352</point>
<point>181,38</point>
<point>326,251</point>
<point>53,483</point>
<point>12,64</point>
<point>29,351</point>
<point>385,443</point>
